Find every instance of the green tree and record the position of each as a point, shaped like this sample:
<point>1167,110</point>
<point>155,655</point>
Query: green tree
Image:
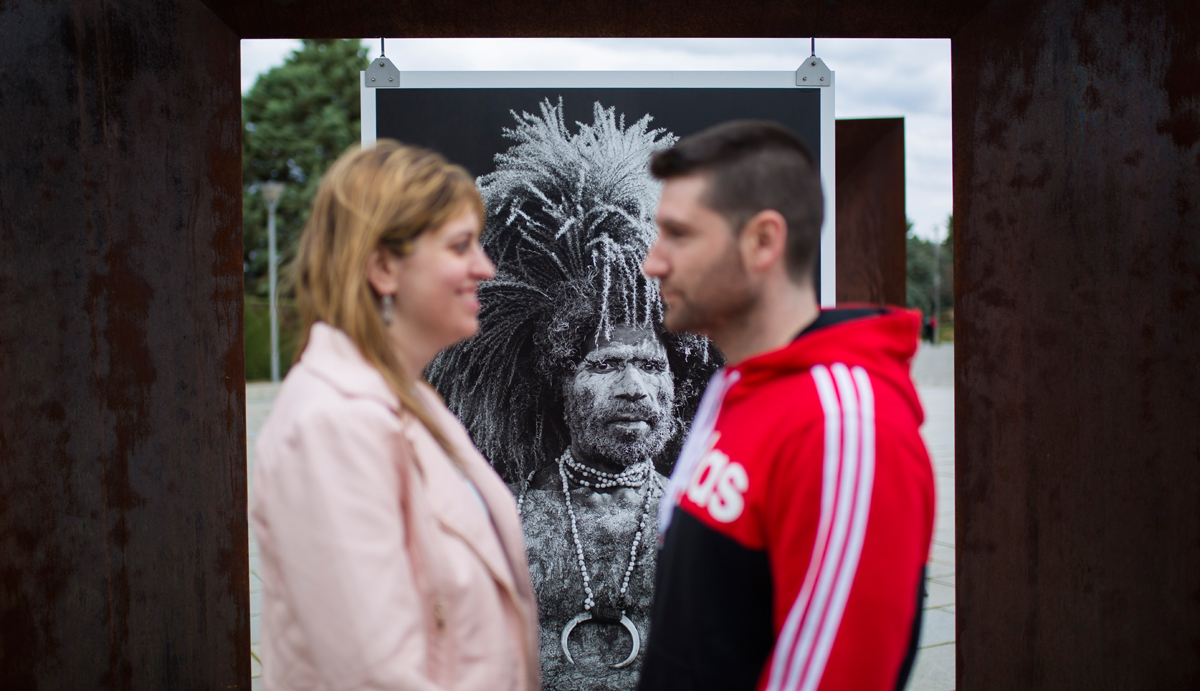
<point>921,256</point>
<point>296,120</point>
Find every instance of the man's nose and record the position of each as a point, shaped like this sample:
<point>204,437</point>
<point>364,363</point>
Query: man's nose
<point>631,396</point>
<point>631,387</point>
<point>655,266</point>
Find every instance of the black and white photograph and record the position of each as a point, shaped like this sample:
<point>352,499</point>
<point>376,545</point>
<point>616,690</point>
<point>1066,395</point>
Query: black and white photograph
<point>573,389</point>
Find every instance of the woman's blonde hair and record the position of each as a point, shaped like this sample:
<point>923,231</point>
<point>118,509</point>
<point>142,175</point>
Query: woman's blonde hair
<point>379,197</point>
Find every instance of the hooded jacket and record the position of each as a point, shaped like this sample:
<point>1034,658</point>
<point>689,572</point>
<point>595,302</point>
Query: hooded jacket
<point>800,517</point>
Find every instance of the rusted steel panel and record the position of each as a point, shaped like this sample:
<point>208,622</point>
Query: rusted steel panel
<point>1077,181</point>
<point>1077,213</point>
<point>123,539</point>
<point>871,221</point>
<point>610,18</point>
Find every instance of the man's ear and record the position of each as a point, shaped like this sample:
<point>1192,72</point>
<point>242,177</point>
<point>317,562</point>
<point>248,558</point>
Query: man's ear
<point>763,240</point>
<point>383,271</point>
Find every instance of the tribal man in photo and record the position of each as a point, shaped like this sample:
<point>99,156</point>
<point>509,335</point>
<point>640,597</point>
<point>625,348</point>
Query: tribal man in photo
<point>572,388</point>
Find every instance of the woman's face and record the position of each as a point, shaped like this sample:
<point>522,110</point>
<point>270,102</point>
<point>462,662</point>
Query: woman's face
<point>437,299</point>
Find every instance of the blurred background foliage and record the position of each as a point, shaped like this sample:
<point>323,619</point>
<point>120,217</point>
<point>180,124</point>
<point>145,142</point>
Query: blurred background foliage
<point>258,336</point>
<point>922,255</point>
<point>296,120</point>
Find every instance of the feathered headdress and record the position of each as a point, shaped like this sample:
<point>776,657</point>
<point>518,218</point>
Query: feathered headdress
<point>570,219</point>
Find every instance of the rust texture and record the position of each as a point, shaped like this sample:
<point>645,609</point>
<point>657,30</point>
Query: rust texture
<point>1077,208</point>
<point>605,18</point>
<point>123,538</point>
<point>1077,213</point>
<point>871,222</point>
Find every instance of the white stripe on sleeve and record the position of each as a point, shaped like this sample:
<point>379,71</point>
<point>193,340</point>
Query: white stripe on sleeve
<point>848,465</point>
<point>860,511</point>
<point>831,409</point>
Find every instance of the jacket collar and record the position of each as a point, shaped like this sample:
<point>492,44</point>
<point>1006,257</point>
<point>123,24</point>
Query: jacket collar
<point>882,343</point>
<point>332,356</point>
<point>447,494</point>
<point>511,560</point>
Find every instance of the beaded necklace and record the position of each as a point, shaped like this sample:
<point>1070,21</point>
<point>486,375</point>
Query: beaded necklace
<point>632,477</point>
<point>567,460</point>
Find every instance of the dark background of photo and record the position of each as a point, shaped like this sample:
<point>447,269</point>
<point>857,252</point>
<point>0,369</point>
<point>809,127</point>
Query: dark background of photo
<point>467,125</point>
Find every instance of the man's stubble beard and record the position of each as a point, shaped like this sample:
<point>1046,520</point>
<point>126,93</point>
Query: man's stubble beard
<point>722,296</point>
<point>594,440</point>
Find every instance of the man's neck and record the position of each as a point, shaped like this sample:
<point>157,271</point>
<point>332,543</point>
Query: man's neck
<point>783,310</point>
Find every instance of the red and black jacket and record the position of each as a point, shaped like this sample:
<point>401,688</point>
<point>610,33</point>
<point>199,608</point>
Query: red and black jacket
<point>800,518</point>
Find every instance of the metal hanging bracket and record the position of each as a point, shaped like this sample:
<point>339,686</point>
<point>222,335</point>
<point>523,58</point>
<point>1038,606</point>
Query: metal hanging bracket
<point>813,72</point>
<point>381,72</point>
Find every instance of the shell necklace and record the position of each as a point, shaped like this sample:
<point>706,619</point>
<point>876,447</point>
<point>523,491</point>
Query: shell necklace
<point>596,479</point>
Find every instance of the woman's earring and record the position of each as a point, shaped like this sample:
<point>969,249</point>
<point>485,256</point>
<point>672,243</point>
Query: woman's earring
<point>387,310</point>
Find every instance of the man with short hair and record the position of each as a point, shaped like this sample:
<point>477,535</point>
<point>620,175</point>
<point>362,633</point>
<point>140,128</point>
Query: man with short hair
<point>798,519</point>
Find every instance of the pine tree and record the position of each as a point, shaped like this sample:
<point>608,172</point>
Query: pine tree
<point>296,120</point>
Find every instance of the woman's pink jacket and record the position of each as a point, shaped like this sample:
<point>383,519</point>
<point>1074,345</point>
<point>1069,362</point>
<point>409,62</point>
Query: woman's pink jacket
<point>380,567</point>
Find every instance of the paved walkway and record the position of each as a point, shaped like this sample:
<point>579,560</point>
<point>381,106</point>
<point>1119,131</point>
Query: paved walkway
<point>259,397</point>
<point>933,371</point>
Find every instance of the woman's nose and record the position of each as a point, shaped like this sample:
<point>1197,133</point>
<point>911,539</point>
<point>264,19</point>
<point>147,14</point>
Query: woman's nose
<point>483,268</point>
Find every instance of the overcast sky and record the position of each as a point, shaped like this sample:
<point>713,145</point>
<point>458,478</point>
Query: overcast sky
<point>875,78</point>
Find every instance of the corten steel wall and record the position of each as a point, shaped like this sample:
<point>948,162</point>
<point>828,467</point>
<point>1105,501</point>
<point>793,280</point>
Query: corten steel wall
<point>122,551</point>
<point>123,543</point>
<point>1077,213</point>
<point>871,223</point>
<point>599,18</point>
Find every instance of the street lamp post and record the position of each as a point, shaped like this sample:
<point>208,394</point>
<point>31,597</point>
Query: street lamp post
<point>271,192</point>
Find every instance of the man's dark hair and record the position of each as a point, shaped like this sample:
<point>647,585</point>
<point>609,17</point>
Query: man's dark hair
<point>751,166</point>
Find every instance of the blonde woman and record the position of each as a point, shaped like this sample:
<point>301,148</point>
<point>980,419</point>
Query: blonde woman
<point>391,553</point>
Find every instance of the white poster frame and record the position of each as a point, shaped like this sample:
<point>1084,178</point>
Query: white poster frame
<point>652,80</point>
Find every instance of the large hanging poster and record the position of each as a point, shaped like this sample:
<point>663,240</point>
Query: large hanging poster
<point>573,389</point>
